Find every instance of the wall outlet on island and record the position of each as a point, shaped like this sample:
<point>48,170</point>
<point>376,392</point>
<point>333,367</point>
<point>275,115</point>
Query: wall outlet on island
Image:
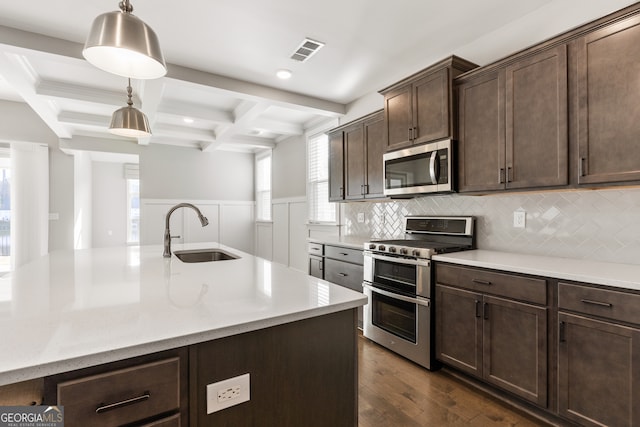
<point>361,217</point>
<point>519,219</point>
<point>226,393</point>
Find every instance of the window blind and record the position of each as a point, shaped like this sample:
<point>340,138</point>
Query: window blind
<point>320,210</point>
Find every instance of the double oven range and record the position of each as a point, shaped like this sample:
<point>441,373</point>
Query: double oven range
<point>398,280</point>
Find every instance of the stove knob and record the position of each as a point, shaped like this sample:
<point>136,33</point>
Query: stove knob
<point>416,252</point>
<point>403,251</point>
<point>372,245</point>
<point>392,249</point>
<point>381,248</point>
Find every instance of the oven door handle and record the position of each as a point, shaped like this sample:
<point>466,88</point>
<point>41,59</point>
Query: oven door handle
<point>398,260</point>
<point>419,301</point>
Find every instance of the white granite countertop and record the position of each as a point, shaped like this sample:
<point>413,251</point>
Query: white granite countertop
<point>625,276</point>
<point>73,309</point>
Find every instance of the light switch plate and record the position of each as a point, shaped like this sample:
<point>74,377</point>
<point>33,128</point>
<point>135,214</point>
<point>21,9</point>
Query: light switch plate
<point>361,217</point>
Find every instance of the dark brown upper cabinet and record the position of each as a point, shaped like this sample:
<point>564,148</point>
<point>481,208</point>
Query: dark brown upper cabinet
<point>420,108</point>
<point>355,159</point>
<point>608,89</point>
<point>513,125</point>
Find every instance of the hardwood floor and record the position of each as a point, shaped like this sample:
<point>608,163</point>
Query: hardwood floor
<point>395,392</point>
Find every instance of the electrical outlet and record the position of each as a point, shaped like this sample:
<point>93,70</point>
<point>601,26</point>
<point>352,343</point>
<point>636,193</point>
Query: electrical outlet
<point>226,393</point>
<point>361,217</point>
<point>519,219</point>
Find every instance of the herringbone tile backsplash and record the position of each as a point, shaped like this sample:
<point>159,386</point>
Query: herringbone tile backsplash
<point>587,224</point>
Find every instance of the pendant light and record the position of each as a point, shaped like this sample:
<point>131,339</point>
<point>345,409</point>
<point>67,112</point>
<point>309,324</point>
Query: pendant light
<point>129,121</point>
<point>122,44</point>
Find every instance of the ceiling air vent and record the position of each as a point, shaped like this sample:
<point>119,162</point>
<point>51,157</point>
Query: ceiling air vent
<point>306,50</point>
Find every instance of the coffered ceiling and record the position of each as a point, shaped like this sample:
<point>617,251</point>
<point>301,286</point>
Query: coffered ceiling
<point>221,92</point>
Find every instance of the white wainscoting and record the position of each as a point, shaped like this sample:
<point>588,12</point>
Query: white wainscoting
<point>285,239</point>
<point>230,222</point>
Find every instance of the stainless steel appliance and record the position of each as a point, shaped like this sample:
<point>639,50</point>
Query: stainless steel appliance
<point>426,168</point>
<point>398,280</point>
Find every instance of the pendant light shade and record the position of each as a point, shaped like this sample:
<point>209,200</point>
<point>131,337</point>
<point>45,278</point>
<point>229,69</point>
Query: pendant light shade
<point>129,121</point>
<point>121,43</point>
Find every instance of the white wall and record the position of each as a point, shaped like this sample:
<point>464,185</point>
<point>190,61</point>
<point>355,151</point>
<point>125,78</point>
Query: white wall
<point>168,172</point>
<point>284,240</point>
<point>60,200</point>
<point>289,168</point>
<point>109,204</point>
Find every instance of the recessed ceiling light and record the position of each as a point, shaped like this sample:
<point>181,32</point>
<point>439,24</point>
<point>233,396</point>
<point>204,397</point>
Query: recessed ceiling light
<point>284,74</point>
<point>187,120</point>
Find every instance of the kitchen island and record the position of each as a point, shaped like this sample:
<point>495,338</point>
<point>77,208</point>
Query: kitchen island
<point>71,311</point>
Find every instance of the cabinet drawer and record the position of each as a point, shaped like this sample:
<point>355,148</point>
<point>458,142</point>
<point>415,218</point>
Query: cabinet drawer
<point>344,254</point>
<point>343,273</point>
<point>122,396</point>
<point>172,421</point>
<point>315,248</point>
<point>599,302</point>
<point>507,285</point>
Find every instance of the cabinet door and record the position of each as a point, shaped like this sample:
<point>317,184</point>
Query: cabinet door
<point>515,348</point>
<point>459,329</point>
<point>608,109</point>
<point>336,167</point>
<point>537,121</point>
<point>316,266</point>
<point>481,142</point>
<point>431,118</point>
<point>598,372</point>
<point>374,148</point>
<point>354,162</point>
<point>398,117</point>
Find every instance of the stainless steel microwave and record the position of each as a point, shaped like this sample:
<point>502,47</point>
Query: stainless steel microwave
<point>426,168</point>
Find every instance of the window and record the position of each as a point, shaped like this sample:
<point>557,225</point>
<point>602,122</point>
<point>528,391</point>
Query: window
<point>263,186</point>
<point>132,174</point>
<point>320,210</point>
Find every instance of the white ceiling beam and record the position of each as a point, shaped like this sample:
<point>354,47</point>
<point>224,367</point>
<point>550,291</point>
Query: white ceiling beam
<point>250,141</point>
<point>256,92</point>
<point>76,118</point>
<point>74,92</point>
<point>276,126</point>
<point>182,132</point>
<point>19,73</point>
<point>151,91</point>
<point>181,109</point>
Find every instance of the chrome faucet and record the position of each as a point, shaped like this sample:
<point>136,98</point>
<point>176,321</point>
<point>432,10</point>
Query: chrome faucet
<point>167,234</point>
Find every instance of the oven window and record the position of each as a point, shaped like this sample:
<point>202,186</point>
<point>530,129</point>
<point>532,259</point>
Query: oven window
<point>394,316</point>
<point>395,277</point>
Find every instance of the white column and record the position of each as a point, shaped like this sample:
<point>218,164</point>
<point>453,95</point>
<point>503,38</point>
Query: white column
<point>29,202</point>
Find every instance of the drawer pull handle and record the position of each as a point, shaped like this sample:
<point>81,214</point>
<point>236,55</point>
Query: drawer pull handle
<point>104,408</point>
<point>601,304</point>
<point>343,254</point>
<point>343,274</point>
<point>481,282</point>
<point>315,249</point>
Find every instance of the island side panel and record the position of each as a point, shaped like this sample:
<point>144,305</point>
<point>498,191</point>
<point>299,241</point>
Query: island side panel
<point>302,373</point>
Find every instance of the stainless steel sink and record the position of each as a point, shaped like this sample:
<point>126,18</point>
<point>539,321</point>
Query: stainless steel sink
<point>204,255</point>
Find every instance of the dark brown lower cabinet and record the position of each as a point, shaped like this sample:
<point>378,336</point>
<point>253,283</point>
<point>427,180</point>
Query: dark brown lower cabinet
<point>501,341</point>
<point>301,373</point>
<point>598,372</point>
